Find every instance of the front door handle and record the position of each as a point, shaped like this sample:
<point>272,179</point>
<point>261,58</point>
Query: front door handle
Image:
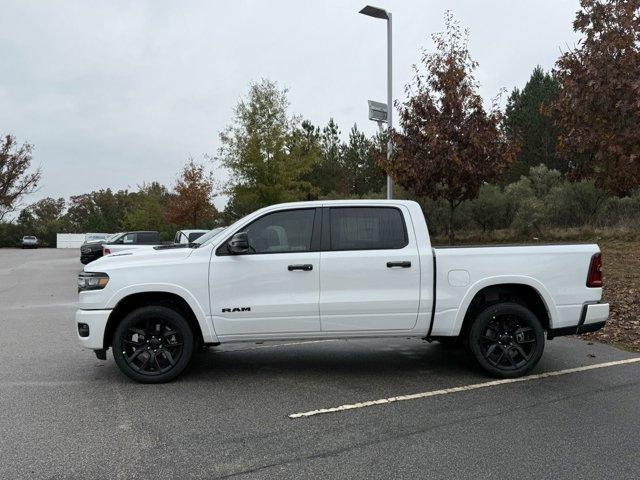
<point>304,267</point>
<point>399,264</point>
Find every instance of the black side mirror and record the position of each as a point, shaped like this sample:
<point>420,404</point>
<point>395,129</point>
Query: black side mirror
<point>239,243</point>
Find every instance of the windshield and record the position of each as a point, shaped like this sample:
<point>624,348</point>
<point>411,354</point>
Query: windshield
<point>209,235</point>
<point>113,237</point>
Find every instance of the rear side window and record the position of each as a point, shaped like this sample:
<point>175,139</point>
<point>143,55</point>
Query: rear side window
<point>147,238</point>
<point>367,228</point>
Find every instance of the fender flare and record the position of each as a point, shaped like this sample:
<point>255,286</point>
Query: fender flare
<point>546,297</point>
<point>208,333</point>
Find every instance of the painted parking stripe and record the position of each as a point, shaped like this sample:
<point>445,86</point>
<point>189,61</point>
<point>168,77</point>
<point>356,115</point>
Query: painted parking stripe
<point>465,388</point>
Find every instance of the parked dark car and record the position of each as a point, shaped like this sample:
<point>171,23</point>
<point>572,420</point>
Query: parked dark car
<point>91,251</point>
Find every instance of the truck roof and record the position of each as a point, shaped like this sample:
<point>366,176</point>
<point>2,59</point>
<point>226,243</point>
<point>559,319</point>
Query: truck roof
<point>320,203</point>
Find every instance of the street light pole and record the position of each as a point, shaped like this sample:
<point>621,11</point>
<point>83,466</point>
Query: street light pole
<point>383,14</point>
<point>389,105</point>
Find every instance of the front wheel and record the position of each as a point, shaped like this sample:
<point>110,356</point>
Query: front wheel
<point>153,344</point>
<point>507,340</point>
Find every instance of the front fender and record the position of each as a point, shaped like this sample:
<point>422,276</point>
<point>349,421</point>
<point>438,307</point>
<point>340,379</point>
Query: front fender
<point>208,332</point>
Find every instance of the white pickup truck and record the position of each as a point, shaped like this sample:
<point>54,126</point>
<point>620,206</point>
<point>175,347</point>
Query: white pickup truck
<point>336,269</point>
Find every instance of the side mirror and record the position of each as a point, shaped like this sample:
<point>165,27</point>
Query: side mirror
<point>239,243</point>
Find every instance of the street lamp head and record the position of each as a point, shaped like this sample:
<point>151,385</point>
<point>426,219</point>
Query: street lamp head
<point>375,12</point>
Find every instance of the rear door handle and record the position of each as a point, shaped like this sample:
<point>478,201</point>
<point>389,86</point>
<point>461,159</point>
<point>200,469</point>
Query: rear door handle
<point>305,267</point>
<point>399,264</point>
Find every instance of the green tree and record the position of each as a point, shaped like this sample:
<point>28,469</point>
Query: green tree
<point>490,209</point>
<point>325,174</point>
<point>148,208</point>
<point>261,150</point>
<point>99,211</point>
<point>527,123</point>
<point>361,175</point>
<point>44,219</point>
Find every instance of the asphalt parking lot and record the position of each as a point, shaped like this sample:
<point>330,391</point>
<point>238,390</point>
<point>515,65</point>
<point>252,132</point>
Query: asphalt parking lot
<point>65,414</point>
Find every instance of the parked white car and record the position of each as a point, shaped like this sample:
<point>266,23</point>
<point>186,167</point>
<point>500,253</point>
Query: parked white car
<point>336,269</point>
<point>29,241</point>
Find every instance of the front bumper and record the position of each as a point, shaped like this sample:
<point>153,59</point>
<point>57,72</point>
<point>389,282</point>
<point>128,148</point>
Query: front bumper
<point>593,317</point>
<point>90,327</point>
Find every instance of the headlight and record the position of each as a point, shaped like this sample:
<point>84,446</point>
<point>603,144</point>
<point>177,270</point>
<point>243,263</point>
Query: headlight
<point>92,281</point>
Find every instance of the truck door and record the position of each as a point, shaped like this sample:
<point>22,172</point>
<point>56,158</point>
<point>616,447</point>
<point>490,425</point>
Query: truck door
<point>369,269</point>
<point>273,288</point>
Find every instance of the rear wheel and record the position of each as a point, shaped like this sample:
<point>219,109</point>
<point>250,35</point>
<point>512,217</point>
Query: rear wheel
<point>507,340</point>
<point>153,344</point>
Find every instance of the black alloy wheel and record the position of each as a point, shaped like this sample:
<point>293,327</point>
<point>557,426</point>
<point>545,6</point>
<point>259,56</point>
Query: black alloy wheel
<point>153,344</point>
<point>507,339</point>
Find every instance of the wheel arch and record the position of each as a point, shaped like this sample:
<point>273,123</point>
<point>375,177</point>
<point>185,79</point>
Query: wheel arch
<point>523,290</point>
<point>171,300</point>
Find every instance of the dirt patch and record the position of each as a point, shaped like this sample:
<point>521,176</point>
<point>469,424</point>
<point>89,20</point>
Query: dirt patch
<point>621,270</point>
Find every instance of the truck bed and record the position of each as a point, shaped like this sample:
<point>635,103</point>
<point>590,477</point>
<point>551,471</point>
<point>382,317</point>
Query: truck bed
<point>558,272</point>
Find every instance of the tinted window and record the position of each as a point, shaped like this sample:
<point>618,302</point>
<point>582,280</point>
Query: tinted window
<point>194,236</point>
<point>367,228</point>
<point>279,232</point>
<point>147,238</point>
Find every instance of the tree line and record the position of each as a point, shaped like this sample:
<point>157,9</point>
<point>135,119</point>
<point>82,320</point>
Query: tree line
<point>564,152</point>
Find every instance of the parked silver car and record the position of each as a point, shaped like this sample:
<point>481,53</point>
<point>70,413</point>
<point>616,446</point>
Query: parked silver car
<point>29,241</point>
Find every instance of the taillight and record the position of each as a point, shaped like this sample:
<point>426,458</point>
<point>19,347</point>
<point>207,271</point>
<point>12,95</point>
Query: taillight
<point>106,251</point>
<point>594,278</point>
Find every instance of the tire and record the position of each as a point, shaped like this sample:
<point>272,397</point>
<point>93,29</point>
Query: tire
<point>507,340</point>
<point>153,344</point>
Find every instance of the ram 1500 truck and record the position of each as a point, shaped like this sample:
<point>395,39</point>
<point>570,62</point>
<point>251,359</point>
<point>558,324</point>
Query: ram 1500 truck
<point>336,269</point>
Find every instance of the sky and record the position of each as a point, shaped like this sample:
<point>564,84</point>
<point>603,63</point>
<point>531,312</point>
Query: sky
<point>117,93</point>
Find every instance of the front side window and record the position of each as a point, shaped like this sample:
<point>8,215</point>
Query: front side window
<point>280,232</point>
<point>129,238</point>
<point>367,228</point>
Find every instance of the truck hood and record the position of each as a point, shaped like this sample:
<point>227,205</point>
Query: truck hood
<point>144,256</point>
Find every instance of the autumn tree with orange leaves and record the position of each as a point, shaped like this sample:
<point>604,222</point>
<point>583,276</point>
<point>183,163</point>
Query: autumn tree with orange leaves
<point>192,204</point>
<point>598,108</point>
<point>449,145</point>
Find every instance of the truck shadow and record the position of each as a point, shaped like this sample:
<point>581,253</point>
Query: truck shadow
<point>352,358</point>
